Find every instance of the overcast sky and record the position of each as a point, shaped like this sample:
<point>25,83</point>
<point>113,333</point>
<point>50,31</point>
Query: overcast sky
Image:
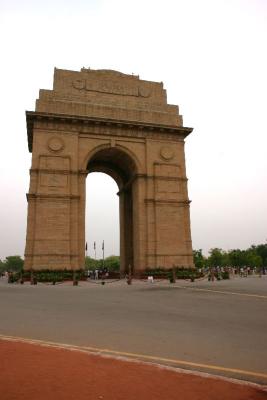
<point>211,56</point>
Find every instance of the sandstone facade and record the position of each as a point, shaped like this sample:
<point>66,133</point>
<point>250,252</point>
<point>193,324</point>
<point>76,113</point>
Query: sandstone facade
<point>106,121</point>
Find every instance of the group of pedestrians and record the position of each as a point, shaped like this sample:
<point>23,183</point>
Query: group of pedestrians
<point>227,272</point>
<point>244,271</point>
<point>10,276</point>
<point>98,273</point>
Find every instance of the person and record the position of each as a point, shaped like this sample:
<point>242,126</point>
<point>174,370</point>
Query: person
<point>96,274</point>
<point>212,273</point>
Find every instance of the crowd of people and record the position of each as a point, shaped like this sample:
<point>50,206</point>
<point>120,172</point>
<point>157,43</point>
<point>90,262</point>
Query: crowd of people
<point>211,272</point>
<point>98,273</point>
<point>227,272</point>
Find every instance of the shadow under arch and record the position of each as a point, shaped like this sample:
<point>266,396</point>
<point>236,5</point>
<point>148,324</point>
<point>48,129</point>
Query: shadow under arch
<point>121,149</point>
<point>118,164</point>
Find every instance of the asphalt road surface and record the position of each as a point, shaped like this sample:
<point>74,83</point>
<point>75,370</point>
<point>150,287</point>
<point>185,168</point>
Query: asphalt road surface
<point>219,326</point>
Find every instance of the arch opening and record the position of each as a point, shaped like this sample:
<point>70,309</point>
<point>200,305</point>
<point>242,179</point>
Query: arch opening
<point>122,168</point>
<point>102,216</point>
<point>114,162</point>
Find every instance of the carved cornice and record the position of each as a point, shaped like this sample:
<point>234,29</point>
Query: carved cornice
<point>169,178</point>
<point>86,172</point>
<point>35,196</point>
<point>83,172</point>
<point>51,255</point>
<point>57,171</point>
<point>82,123</point>
<point>173,202</point>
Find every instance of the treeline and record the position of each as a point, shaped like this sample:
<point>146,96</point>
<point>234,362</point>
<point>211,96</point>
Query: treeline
<point>112,263</point>
<point>11,263</point>
<point>254,256</point>
<point>15,264</point>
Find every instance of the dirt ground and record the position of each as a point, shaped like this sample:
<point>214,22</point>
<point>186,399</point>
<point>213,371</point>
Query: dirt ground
<point>36,372</point>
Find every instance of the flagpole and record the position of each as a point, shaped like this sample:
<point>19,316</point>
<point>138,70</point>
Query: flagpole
<point>95,251</point>
<point>103,248</point>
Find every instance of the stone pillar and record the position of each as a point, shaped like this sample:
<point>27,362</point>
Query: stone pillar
<point>173,245</point>
<point>48,233</point>
<point>126,230</point>
<point>139,223</point>
<point>81,218</point>
<point>52,234</point>
<point>122,234</point>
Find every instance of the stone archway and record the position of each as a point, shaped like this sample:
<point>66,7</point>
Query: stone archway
<point>108,122</point>
<point>122,168</point>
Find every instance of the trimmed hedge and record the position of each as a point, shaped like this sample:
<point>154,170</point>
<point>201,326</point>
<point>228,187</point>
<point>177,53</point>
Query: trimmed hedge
<point>180,273</point>
<point>47,275</point>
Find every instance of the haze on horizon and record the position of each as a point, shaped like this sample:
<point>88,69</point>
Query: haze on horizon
<point>212,60</point>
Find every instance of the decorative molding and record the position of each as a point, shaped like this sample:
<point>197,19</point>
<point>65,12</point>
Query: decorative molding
<point>169,178</point>
<point>55,144</point>
<point>86,172</point>
<point>50,254</point>
<point>167,153</point>
<point>110,87</point>
<point>56,171</point>
<point>113,73</point>
<point>35,196</point>
<point>88,125</point>
<point>173,202</point>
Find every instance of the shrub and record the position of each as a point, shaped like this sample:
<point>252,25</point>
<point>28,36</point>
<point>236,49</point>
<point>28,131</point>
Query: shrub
<point>225,275</point>
<point>180,273</point>
<point>47,275</point>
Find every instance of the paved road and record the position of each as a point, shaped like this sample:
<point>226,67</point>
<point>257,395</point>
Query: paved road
<point>217,324</point>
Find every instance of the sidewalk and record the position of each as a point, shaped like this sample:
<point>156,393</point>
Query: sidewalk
<point>35,372</point>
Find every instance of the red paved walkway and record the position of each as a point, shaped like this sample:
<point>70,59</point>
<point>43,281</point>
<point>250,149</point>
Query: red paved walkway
<point>33,372</point>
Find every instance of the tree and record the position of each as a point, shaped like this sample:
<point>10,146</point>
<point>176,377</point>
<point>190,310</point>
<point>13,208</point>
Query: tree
<point>261,250</point>
<point>112,263</point>
<point>253,259</point>
<point>237,258</point>
<point>218,258</point>
<point>91,263</point>
<point>2,266</point>
<point>199,259</point>
<point>14,263</point>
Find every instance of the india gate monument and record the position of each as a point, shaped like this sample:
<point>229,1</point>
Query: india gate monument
<point>107,121</point>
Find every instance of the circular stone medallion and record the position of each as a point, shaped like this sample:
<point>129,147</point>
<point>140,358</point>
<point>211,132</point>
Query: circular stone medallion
<point>167,153</point>
<point>55,144</point>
